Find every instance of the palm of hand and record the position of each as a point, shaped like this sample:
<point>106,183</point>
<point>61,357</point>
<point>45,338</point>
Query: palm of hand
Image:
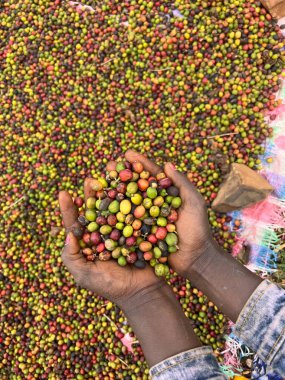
<point>107,279</point>
<point>116,283</point>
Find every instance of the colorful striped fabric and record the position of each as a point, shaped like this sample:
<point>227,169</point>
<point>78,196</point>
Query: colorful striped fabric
<point>263,229</point>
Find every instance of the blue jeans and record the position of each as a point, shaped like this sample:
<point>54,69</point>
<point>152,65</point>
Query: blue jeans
<point>260,325</point>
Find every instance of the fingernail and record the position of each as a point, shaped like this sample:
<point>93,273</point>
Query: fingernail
<point>67,240</point>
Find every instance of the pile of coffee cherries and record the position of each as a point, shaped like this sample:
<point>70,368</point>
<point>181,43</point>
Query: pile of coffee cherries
<point>131,218</point>
<point>182,81</point>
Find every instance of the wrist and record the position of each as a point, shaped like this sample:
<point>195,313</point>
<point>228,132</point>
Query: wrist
<point>193,260</point>
<point>141,297</point>
<point>204,260</point>
<point>159,323</point>
<point>228,283</point>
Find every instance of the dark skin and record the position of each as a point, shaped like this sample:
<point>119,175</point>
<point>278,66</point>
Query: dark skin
<point>105,278</point>
<point>200,258</point>
<point>142,295</point>
<point>108,278</point>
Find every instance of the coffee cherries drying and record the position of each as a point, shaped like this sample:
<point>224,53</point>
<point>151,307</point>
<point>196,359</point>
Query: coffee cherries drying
<point>131,218</point>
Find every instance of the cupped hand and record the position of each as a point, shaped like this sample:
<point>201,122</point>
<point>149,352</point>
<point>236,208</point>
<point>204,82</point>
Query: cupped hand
<point>192,226</point>
<point>105,278</point>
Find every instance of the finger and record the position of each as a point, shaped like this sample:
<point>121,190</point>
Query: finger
<point>181,181</point>
<point>148,165</point>
<point>68,209</point>
<point>72,256</point>
<point>88,191</point>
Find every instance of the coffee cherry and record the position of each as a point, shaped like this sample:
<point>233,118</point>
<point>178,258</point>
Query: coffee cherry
<point>147,203</point>
<point>162,222</point>
<point>158,201</point>
<point>145,246</point>
<point>131,258</point>
<point>112,194</point>
<point>161,234</point>
<point>93,226</point>
<point>176,202</point>
<point>159,269</point>
<point>139,212</point>
<point>113,174</point>
<point>149,221</point>
<point>125,207</point>
<point>131,241</point>
<point>105,256</point>
<point>120,166</point>
<point>152,238</point>
<point>122,261</point>
<point>101,220</point>
<point>95,238</point>
<point>160,176</point>
<point>171,239</point>
<point>136,199</point>
<point>116,253</point>
<point>144,174</point>
<point>90,215</point>
<point>151,192</point>
<point>122,188</point>
<point>137,224</point>
<point>172,191</point>
<point>115,235</point>
<point>91,203</point>
<point>165,183</point>
<point>112,220</point>
<point>96,185</point>
<point>157,252</point>
<point>100,247</point>
<point>137,167</point>
<point>143,184</point>
<point>105,203</point>
<point>114,207</point>
<point>173,216</point>
<point>148,256</point>
<point>140,264</point>
<point>78,201</point>
<point>128,231</point>
<point>132,187</point>
<point>110,244</point>
<point>154,211</point>
<point>105,230</point>
<point>103,182</point>
<point>125,175</point>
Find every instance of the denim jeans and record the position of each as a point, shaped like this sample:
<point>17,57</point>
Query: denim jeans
<point>260,325</point>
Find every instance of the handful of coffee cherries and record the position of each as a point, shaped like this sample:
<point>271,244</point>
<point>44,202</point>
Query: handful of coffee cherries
<point>131,218</point>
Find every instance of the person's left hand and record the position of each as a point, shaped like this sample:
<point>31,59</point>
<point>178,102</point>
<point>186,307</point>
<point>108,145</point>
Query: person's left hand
<point>105,278</point>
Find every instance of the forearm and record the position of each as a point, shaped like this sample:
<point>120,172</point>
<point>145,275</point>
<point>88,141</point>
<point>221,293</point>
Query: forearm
<point>159,323</point>
<point>223,279</point>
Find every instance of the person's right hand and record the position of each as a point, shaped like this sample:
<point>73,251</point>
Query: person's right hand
<point>192,226</point>
<point>107,279</point>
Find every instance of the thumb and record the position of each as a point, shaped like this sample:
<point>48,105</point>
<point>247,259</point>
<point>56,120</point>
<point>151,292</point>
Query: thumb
<point>71,255</point>
<point>180,180</point>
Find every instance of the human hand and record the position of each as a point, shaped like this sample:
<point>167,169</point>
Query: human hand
<point>107,278</point>
<point>192,226</point>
